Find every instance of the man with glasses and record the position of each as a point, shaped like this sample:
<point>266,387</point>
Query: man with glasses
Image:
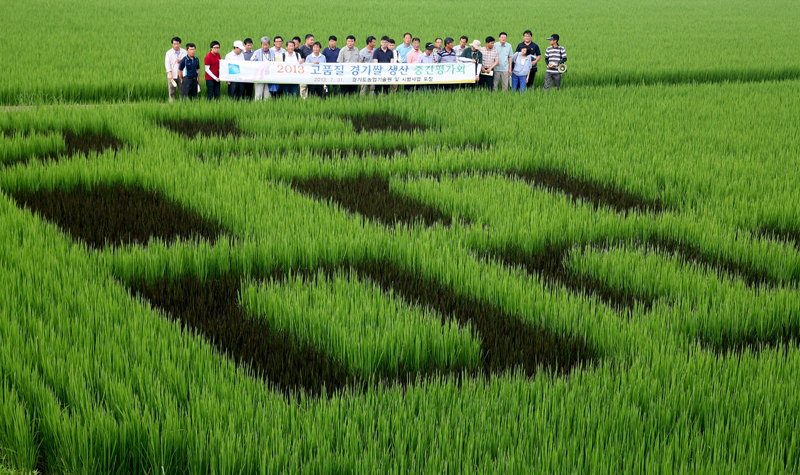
<point>212,72</point>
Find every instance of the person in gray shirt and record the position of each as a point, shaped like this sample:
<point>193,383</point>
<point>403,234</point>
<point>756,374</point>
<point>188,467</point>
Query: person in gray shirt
<point>366,57</point>
<point>349,54</point>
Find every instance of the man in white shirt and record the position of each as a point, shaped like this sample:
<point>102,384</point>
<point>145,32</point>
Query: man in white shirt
<point>235,89</point>
<point>171,60</point>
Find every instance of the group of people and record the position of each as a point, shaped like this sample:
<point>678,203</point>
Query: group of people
<point>498,65</point>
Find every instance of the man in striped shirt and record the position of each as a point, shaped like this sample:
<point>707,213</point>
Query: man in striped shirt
<point>553,56</point>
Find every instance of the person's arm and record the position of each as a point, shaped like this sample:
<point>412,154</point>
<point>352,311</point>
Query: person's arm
<point>168,66</point>
<point>510,60</point>
<point>538,57</point>
<point>563,56</point>
<point>180,68</point>
<point>496,62</point>
<point>208,71</point>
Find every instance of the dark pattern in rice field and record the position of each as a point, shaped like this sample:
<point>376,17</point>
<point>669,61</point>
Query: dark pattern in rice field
<point>371,197</point>
<point>192,128</point>
<point>116,214</point>
<point>211,308</point>
<point>592,191</point>
<point>75,143</point>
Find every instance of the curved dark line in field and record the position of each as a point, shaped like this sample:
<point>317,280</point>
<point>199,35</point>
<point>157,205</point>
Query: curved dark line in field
<point>81,143</point>
<point>776,232</point>
<point>371,197</point>
<point>211,308</point>
<point>382,122</point>
<point>116,214</point>
<point>592,191</point>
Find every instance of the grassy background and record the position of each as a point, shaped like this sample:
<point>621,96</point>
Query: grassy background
<point>92,51</point>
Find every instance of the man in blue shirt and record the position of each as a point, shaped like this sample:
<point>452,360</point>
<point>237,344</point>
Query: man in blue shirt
<point>404,48</point>
<point>331,53</point>
<point>191,64</point>
<point>383,55</point>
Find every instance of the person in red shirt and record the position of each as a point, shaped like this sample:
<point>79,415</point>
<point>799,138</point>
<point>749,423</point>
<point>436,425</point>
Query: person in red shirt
<point>212,71</point>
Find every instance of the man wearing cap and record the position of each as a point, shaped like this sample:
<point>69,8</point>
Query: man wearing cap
<point>554,55</point>
<point>171,61</point>
<point>490,60</point>
<point>235,89</point>
<point>475,56</point>
<point>535,54</point>
<point>248,54</point>
<point>366,57</point>
<point>191,63</point>
<point>428,57</point>
<point>502,73</point>
<point>349,54</point>
<point>261,90</point>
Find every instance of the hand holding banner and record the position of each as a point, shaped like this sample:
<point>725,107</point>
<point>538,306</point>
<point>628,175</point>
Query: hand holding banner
<point>345,73</point>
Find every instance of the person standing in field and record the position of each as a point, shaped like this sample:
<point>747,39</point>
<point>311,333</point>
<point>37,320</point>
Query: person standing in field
<point>428,57</point>
<point>292,57</point>
<point>383,55</point>
<point>535,54</point>
<point>331,53</point>
<point>502,73</point>
<point>248,54</point>
<point>446,56</point>
<point>366,57</point>
<point>191,63</point>
<point>490,61</point>
<point>305,51</point>
<point>212,72</point>
<point>397,59</point>
<point>171,61</point>
<point>413,55</point>
<point>476,57</point>
<point>404,48</point>
<point>235,89</point>
<point>261,90</point>
<point>461,46</point>
<point>554,55</point>
<point>349,54</point>
<point>316,57</point>
<point>522,61</point>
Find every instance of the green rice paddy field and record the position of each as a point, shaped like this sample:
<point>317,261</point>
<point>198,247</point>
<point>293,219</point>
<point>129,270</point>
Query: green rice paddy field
<point>598,280</point>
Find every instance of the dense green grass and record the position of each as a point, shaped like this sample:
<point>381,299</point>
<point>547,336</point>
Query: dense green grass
<point>97,380</point>
<point>110,51</point>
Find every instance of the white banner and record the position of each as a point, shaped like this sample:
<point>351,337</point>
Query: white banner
<point>345,73</point>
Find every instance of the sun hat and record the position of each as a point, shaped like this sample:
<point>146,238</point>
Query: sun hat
<point>238,44</point>
<point>476,44</point>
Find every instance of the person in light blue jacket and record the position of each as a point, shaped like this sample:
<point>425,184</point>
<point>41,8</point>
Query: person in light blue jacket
<point>522,69</point>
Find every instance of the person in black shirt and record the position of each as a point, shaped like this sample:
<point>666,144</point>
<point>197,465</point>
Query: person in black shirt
<point>191,64</point>
<point>383,55</point>
<point>535,54</point>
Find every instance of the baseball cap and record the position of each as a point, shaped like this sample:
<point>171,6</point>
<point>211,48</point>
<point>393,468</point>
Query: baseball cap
<point>238,44</point>
<point>476,44</point>
<point>553,37</point>
<point>429,46</point>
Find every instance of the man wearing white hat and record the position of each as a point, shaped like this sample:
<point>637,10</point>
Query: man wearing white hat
<point>235,89</point>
